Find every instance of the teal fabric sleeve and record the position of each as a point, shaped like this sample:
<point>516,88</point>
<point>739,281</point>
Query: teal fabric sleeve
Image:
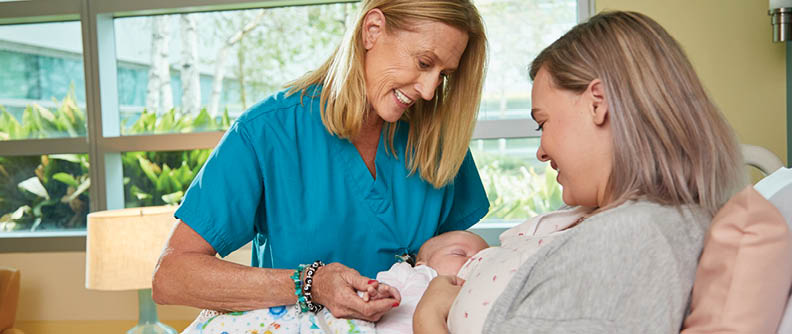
<point>224,196</point>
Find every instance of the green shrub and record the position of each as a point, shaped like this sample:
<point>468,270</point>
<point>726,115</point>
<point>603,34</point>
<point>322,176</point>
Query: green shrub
<point>52,191</point>
<point>515,190</point>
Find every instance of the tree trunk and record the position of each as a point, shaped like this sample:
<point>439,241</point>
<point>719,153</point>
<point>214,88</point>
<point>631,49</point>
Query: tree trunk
<point>152,91</point>
<point>191,85</point>
<point>241,74</point>
<point>220,61</point>
<point>503,104</point>
<point>217,81</point>
<point>166,93</point>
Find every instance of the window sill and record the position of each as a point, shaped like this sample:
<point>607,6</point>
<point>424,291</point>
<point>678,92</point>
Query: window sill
<point>55,241</point>
<point>491,229</point>
<point>74,241</point>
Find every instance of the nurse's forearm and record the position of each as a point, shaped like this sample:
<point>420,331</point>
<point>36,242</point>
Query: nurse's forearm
<point>204,281</point>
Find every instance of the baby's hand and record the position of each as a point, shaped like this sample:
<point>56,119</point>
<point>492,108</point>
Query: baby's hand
<point>382,291</point>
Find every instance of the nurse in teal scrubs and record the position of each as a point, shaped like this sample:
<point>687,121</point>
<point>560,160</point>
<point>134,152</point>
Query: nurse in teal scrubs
<point>361,160</point>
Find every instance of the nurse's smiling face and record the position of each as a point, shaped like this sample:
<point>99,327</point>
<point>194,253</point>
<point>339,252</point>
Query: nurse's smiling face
<point>402,66</point>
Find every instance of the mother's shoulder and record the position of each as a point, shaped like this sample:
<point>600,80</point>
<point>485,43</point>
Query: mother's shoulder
<point>643,210</point>
<point>641,219</point>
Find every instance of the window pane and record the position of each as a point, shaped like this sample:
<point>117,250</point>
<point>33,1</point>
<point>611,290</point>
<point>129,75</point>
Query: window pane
<point>518,185</point>
<point>44,193</point>
<point>42,85</point>
<point>159,178</point>
<point>198,72</point>
<point>517,30</point>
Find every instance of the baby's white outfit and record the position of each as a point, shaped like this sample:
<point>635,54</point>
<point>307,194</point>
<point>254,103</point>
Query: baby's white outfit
<point>410,281</point>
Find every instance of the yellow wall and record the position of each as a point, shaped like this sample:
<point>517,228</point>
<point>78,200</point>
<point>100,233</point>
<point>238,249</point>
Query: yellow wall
<point>730,44</point>
<point>728,41</point>
<point>53,298</point>
<point>87,326</point>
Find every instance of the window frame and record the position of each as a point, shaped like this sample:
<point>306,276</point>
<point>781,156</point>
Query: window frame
<point>103,142</point>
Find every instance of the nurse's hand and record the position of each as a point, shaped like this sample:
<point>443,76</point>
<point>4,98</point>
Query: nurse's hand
<point>335,286</point>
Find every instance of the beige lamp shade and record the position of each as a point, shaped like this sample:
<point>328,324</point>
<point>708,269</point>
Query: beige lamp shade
<point>123,246</point>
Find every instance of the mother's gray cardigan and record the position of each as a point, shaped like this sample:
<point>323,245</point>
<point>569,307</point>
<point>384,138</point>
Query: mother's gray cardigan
<point>626,270</point>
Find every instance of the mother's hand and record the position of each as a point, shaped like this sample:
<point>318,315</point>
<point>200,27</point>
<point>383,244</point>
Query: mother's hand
<point>432,311</point>
<point>335,286</point>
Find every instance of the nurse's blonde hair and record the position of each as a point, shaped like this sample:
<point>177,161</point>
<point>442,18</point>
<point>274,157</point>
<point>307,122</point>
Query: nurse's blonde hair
<point>440,129</point>
<point>671,144</point>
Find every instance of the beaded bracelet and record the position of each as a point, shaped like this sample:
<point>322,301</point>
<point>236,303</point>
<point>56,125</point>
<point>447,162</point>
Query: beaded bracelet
<point>306,289</point>
<point>298,288</point>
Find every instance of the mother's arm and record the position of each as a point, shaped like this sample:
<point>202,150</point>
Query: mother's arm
<point>188,273</point>
<point>432,311</point>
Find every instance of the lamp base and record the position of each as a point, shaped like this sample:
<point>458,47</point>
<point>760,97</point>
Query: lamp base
<point>155,328</point>
<point>148,322</point>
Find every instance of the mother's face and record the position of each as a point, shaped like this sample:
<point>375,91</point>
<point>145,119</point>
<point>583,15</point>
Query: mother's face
<point>576,138</point>
<point>403,66</point>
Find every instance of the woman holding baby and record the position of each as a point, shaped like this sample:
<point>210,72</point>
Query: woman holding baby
<point>645,160</point>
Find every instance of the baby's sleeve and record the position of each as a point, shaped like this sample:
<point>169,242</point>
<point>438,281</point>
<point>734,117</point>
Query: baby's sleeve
<point>411,283</point>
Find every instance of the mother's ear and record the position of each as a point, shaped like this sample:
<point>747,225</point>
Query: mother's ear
<point>373,27</point>
<point>599,102</point>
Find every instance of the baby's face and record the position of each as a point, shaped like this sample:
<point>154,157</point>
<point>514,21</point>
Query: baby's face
<point>451,250</point>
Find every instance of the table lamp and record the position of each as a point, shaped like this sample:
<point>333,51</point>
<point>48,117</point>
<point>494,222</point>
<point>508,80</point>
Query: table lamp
<point>122,249</point>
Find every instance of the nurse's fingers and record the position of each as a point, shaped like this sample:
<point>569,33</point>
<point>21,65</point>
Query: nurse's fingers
<point>372,310</point>
<point>335,286</point>
<point>358,281</point>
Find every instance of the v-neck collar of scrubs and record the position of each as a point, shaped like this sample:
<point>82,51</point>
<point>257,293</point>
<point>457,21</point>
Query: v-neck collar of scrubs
<point>372,190</point>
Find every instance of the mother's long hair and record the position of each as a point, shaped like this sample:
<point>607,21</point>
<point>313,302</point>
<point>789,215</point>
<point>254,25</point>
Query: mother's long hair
<point>671,144</point>
<point>440,129</point>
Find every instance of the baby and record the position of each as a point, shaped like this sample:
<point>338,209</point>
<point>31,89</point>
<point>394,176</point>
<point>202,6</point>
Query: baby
<point>444,254</point>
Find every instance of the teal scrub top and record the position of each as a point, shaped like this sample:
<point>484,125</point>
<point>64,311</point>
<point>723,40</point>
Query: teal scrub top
<point>279,179</point>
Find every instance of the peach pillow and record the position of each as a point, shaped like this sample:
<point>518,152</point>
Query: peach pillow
<point>745,271</point>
